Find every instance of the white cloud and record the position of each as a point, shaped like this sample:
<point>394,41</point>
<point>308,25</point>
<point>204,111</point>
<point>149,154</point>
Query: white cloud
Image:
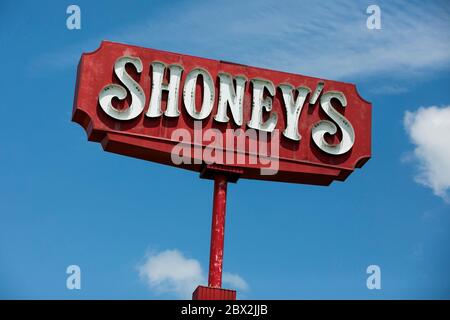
<point>170,271</point>
<point>429,129</point>
<point>234,281</point>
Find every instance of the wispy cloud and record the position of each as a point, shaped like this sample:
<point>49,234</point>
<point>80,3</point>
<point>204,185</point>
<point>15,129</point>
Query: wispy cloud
<point>429,130</point>
<point>391,89</point>
<point>328,40</point>
<point>234,281</point>
<point>170,271</point>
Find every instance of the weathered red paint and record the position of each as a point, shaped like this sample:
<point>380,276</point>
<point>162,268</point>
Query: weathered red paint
<point>150,138</point>
<point>208,293</point>
<point>217,231</point>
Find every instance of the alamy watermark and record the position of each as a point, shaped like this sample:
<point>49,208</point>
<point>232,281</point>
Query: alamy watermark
<point>374,20</point>
<point>374,280</point>
<point>227,147</point>
<point>73,281</point>
<point>73,21</point>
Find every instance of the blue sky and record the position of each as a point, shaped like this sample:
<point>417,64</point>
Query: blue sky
<point>64,201</point>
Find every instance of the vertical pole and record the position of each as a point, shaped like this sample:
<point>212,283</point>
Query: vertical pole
<point>217,231</point>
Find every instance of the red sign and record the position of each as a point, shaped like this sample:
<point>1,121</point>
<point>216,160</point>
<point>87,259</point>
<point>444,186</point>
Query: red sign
<point>187,111</point>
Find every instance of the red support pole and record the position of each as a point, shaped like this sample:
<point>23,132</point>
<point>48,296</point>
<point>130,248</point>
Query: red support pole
<point>217,231</point>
